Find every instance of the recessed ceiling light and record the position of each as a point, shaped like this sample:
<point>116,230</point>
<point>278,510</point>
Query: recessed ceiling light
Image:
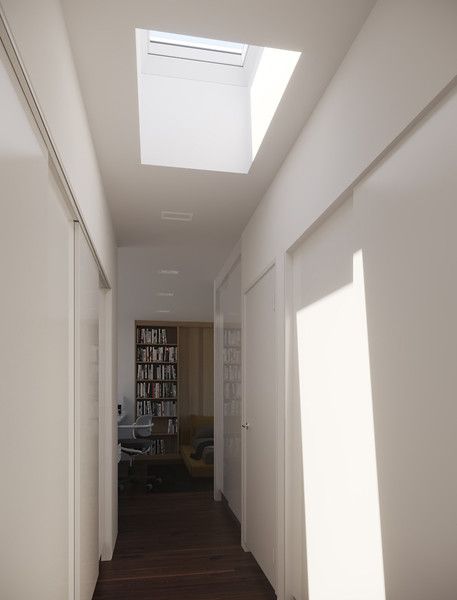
<point>170,215</point>
<point>166,294</point>
<point>168,272</point>
<point>163,311</point>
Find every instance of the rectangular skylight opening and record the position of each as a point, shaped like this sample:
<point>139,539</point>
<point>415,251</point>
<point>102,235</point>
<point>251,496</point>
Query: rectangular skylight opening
<point>186,47</point>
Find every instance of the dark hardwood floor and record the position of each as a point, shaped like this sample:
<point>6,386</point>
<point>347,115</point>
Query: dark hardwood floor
<point>179,546</point>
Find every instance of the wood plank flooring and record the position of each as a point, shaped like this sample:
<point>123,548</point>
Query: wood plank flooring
<point>179,546</point>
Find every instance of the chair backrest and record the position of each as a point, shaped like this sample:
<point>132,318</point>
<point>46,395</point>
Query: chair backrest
<point>143,427</point>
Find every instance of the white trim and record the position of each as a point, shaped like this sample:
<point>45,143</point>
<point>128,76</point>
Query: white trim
<point>259,276</point>
<point>77,416</point>
<point>71,416</point>
<point>187,47</point>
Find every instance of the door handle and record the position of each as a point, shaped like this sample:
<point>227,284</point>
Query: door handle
<point>245,425</point>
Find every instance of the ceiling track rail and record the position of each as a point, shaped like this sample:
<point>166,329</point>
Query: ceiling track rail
<point>17,65</point>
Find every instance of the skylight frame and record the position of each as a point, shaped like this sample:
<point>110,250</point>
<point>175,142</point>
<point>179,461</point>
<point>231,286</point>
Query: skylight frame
<point>185,47</point>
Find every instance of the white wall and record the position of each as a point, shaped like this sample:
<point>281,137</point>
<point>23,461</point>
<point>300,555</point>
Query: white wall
<point>374,305</point>
<point>402,61</point>
<point>380,88</point>
<point>40,34</point>
<point>36,254</point>
<point>335,417</point>
<point>41,39</point>
<point>194,124</point>
<point>406,212</point>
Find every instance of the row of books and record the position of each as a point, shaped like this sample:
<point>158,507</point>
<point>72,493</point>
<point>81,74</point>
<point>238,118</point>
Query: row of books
<point>232,337</point>
<point>166,408</point>
<point>232,390</point>
<point>157,354</point>
<point>163,372</point>
<point>151,335</point>
<point>232,355</point>
<point>232,373</point>
<point>172,426</point>
<point>156,390</point>
<point>157,447</point>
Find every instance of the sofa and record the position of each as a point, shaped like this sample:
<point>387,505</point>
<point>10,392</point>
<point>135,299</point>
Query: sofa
<point>200,434</point>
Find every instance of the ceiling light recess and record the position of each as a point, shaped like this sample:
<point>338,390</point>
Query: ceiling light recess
<point>166,294</point>
<point>171,215</point>
<point>168,272</point>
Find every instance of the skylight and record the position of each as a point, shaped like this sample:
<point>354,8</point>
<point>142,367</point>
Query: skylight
<point>186,47</point>
<point>204,103</point>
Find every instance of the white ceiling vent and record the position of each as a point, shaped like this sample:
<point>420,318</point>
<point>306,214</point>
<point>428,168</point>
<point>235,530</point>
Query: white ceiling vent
<point>168,272</point>
<point>170,215</point>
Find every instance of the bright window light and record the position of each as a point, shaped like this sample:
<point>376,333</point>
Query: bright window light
<point>270,81</point>
<point>186,47</point>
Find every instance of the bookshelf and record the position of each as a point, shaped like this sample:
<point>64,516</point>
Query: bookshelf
<point>232,371</point>
<point>157,384</point>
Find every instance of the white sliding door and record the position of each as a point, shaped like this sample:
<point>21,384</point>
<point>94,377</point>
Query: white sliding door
<point>259,526</point>
<point>333,411</point>
<point>36,234</point>
<point>407,209</point>
<point>229,353</point>
<point>87,303</point>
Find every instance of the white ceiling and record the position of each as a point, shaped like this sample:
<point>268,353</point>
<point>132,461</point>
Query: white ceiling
<point>102,34</point>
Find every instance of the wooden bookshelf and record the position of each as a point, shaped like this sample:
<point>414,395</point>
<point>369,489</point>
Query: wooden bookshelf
<point>156,384</point>
<point>191,347</point>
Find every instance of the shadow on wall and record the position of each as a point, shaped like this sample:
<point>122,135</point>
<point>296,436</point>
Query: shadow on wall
<point>375,296</point>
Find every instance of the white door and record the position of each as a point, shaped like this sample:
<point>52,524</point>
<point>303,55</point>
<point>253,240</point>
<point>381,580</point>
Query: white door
<point>87,302</point>
<point>259,525</point>
<point>36,235</point>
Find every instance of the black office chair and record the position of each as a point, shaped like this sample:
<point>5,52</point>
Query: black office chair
<point>141,430</point>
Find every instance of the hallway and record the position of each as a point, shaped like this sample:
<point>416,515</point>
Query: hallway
<point>179,546</point>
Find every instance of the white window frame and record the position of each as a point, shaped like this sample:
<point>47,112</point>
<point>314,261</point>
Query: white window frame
<point>184,47</point>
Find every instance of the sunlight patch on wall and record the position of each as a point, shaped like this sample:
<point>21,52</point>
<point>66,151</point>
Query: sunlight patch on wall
<point>343,531</point>
<point>270,81</point>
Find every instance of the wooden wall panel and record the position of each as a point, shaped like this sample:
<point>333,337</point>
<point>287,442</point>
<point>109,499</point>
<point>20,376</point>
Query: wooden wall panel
<point>208,372</point>
<point>195,374</point>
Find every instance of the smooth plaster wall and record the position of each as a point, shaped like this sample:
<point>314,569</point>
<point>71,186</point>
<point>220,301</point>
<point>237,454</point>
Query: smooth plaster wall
<point>402,58</point>
<point>406,212</point>
<point>402,61</point>
<point>41,38</point>
<point>40,33</point>
<point>334,415</point>
<point>35,322</point>
<point>194,124</point>
<point>374,305</point>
